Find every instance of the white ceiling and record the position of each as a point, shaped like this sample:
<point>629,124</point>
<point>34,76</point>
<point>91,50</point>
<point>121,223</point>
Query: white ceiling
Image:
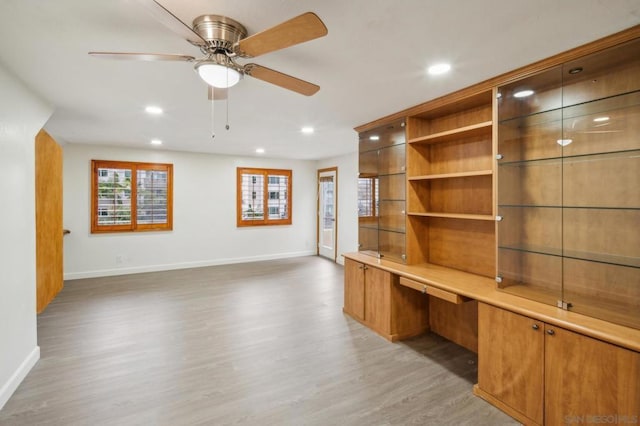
<point>370,65</point>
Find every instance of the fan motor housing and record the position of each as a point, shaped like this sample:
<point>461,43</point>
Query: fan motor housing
<point>220,31</point>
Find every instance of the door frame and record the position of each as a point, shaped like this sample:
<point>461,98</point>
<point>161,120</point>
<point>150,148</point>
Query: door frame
<point>335,209</point>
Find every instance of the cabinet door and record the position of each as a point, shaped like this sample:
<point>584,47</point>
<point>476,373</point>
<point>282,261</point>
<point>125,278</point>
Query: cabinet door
<point>378,299</point>
<point>586,379</point>
<point>510,360</point>
<point>354,288</point>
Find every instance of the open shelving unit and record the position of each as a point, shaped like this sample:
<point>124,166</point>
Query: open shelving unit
<point>450,185</point>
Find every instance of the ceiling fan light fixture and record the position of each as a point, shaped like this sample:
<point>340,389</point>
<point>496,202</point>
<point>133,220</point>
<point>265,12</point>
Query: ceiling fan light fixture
<point>217,75</point>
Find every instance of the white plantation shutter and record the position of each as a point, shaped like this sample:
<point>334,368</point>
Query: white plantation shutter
<point>252,189</point>
<point>278,200</point>
<point>152,196</point>
<point>114,196</point>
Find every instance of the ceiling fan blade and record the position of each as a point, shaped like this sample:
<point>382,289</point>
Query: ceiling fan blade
<point>216,94</point>
<point>171,21</point>
<point>143,56</point>
<point>294,31</point>
<point>279,79</point>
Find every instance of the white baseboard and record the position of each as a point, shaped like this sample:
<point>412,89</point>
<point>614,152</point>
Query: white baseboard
<point>18,376</point>
<point>182,265</point>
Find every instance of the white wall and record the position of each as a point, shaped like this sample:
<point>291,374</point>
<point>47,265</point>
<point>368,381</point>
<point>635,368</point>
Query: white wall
<point>204,218</point>
<point>347,200</point>
<point>22,115</point>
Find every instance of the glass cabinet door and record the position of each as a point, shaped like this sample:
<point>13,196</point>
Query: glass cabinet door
<point>530,187</point>
<point>381,192</point>
<point>569,185</point>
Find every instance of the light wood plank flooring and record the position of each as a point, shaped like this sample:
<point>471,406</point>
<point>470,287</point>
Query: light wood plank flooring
<point>262,343</point>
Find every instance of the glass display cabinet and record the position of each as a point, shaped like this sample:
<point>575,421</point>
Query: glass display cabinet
<point>381,192</point>
<point>568,193</point>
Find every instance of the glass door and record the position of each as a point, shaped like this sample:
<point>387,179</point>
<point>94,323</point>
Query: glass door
<point>327,208</point>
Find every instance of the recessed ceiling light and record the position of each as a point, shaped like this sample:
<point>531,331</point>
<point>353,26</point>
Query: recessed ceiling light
<point>259,150</point>
<point>307,130</point>
<point>374,138</point>
<point>600,119</point>
<point>153,110</point>
<point>156,142</point>
<point>523,93</point>
<point>438,69</point>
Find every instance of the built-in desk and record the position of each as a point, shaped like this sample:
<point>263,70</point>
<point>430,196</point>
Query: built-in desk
<point>538,363</point>
<point>483,289</point>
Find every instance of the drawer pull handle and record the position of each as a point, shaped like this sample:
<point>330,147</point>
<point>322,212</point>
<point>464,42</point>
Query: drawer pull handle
<point>551,332</point>
<point>535,326</point>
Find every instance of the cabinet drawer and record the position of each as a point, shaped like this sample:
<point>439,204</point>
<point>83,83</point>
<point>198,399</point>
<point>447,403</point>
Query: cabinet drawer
<point>433,291</point>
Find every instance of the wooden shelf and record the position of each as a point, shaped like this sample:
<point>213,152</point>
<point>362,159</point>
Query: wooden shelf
<point>454,215</point>
<point>453,175</point>
<point>458,133</point>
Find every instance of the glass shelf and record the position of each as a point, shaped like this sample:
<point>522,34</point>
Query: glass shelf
<point>396,231</point>
<point>374,226</point>
<point>570,159</point>
<point>623,103</point>
<point>633,262</point>
<point>568,179</point>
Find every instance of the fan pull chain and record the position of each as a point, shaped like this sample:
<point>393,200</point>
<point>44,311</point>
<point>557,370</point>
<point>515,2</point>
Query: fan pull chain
<point>226,102</point>
<point>213,131</point>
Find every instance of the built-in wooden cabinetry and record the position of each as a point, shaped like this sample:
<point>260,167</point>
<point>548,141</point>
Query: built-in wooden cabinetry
<point>543,374</point>
<point>373,297</point>
<point>521,234</point>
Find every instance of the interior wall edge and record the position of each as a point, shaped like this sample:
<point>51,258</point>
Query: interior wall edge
<point>18,376</point>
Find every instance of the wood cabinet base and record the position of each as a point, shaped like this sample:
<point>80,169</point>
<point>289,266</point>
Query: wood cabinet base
<point>375,298</point>
<point>504,407</point>
<point>392,337</point>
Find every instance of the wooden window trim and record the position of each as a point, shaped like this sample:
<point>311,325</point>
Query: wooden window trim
<point>134,167</point>
<point>266,173</point>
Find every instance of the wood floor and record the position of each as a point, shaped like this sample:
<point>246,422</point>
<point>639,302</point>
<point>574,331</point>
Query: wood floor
<point>262,343</point>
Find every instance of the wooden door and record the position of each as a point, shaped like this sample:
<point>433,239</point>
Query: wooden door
<point>49,276</point>
<point>588,381</point>
<point>510,360</point>
<point>377,292</point>
<point>354,288</point>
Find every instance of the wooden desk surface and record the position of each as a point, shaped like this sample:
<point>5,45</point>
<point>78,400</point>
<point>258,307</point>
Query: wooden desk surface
<point>484,290</point>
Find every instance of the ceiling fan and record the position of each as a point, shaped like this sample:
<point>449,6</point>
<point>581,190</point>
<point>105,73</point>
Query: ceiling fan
<point>221,40</point>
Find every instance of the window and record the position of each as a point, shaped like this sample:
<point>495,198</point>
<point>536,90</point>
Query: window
<point>263,197</point>
<point>367,197</point>
<point>128,197</point>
